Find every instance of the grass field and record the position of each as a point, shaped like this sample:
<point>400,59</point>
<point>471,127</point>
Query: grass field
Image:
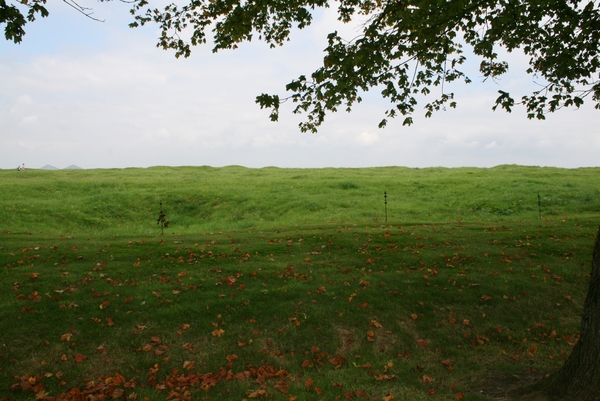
<point>289,284</point>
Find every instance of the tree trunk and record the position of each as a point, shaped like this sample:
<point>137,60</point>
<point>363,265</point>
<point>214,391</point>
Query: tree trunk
<point>579,377</point>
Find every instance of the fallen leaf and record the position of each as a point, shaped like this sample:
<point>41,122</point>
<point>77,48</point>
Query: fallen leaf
<point>256,393</point>
<point>80,358</point>
<point>308,383</point>
<point>66,337</point>
<point>217,332</point>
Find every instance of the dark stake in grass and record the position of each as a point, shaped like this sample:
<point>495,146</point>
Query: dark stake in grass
<point>539,206</point>
<point>385,204</point>
<point>162,220</point>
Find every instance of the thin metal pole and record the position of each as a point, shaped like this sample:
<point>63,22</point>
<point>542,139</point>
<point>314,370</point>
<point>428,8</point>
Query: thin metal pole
<point>385,203</point>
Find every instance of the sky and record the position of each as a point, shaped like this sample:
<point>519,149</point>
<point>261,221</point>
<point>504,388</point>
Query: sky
<point>101,95</point>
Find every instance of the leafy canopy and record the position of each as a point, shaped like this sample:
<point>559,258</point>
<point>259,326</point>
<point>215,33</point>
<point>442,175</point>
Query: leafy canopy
<point>405,48</point>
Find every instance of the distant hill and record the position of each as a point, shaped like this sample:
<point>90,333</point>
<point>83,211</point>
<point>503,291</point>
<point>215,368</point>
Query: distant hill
<point>72,167</point>
<point>48,167</point>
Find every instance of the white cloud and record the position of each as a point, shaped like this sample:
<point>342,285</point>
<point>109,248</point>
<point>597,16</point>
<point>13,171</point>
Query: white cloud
<point>491,145</point>
<point>367,138</point>
<point>29,120</point>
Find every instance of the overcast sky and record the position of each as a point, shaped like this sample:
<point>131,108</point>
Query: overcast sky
<point>101,95</point>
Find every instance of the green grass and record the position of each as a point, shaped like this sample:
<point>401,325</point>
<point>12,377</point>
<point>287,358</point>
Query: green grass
<point>204,199</point>
<point>318,297</point>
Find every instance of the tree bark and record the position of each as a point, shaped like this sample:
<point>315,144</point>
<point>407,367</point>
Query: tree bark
<point>579,377</point>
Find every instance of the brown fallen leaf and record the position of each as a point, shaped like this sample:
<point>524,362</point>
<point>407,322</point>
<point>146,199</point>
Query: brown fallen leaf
<point>217,332</point>
<point>308,384</point>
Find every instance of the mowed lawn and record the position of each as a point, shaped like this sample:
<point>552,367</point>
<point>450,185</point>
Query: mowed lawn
<point>290,284</point>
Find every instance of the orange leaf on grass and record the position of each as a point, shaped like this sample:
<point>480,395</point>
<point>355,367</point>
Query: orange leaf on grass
<point>308,383</point>
<point>256,393</point>
<point>66,337</point>
<point>217,333</point>
<point>80,358</point>
<point>422,343</point>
